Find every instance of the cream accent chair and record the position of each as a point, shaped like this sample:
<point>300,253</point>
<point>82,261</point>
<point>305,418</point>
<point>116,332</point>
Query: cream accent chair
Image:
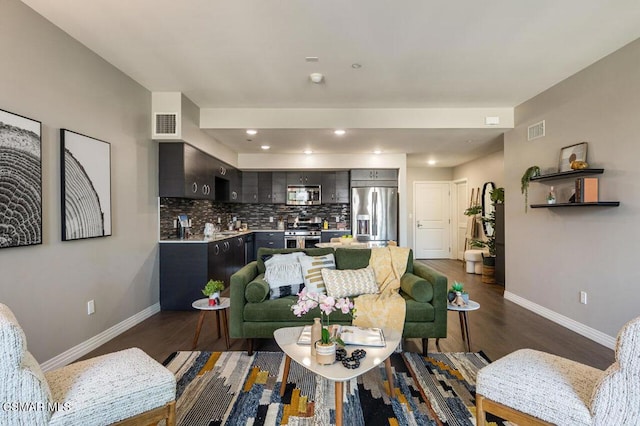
<point>126,387</point>
<point>535,388</point>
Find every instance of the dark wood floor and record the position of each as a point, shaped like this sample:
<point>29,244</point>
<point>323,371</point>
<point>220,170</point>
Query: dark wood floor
<point>498,328</point>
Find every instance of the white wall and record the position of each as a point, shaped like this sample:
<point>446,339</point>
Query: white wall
<point>553,254</point>
<point>48,76</point>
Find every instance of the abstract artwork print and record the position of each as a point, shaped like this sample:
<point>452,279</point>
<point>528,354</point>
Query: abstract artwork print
<point>86,186</point>
<point>20,181</point>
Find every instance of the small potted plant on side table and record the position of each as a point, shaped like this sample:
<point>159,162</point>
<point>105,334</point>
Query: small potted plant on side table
<point>457,289</point>
<point>212,291</point>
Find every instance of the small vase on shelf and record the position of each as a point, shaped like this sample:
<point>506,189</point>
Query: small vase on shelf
<point>551,197</point>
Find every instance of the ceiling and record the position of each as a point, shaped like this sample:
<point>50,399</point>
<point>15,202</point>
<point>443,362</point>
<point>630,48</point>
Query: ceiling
<point>413,54</point>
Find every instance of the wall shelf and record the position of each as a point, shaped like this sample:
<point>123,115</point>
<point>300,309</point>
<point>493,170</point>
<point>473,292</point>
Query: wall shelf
<point>569,174</point>
<point>558,205</point>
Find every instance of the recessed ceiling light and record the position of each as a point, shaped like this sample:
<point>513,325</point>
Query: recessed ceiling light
<point>356,66</point>
<point>339,132</point>
<point>308,152</point>
<point>252,132</point>
<point>377,151</point>
<point>431,162</point>
<point>265,147</point>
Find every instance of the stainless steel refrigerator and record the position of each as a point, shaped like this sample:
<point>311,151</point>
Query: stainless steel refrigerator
<point>374,214</point>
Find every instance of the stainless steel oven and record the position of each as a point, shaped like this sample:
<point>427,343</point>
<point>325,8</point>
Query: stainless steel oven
<point>301,238</point>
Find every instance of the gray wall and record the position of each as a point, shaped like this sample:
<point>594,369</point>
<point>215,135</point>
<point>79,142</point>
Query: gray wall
<point>48,76</point>
<point>554,254</point>
<point>489,168</point>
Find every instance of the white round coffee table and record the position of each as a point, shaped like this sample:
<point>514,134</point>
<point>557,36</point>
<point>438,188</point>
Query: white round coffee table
<point>203,306</point>
<point>464,321</point>
<point>287,339</point>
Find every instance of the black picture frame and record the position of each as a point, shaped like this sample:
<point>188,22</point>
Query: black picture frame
<point>576,152</point>
<point>20,180</point>
<point>85,186</point>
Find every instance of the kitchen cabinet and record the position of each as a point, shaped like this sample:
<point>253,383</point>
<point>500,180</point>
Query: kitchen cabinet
<point>374,174</point>
<point>250,192</point>
<point>227,182</point>
<point>185,268</point>
<point>304,178</point>
<point>335,187</point>
<point>184,172</point>
<point>273,239</point>
<point>326,236</point>
<point>279,187</point>
<point>265,187</point>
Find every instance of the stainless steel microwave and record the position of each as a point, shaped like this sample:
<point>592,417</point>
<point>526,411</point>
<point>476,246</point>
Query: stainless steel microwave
<point>303,195</point>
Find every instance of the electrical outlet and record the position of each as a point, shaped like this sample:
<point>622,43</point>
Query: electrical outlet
<point>91,307</point>
<point>583,297</point>
<point>270,218</point>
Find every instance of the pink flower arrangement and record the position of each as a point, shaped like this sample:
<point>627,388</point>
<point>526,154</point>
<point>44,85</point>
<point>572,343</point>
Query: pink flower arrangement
<point>310,300</point>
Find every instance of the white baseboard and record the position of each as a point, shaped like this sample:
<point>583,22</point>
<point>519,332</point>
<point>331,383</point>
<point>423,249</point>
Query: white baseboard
<point>588,332</point>
<point>87,346</point>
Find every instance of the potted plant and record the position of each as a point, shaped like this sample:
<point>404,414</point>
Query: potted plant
<point>456,288</point>
<point>212,291</point>
<point>325,346</point>
<point>532,171</point>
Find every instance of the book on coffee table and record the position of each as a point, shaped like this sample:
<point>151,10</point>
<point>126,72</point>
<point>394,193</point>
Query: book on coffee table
<point>350,335</point>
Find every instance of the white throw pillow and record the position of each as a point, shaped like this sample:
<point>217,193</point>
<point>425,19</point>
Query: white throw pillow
<point>349,282</point>
<point>283,273</point>
<point>312,271</point>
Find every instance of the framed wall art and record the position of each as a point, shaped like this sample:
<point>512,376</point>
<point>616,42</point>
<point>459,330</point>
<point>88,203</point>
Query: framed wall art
<point>86,186</point>
<point>577,152</point>
<point>20,180</point>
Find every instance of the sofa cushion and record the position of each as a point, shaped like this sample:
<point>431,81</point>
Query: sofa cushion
<point>349,282</point>
<point>257,290</point>
<point>264,252</point>
<point>312,271</point>
<point>284,274</point>
<point>352,258</point>
<point>416,287</point>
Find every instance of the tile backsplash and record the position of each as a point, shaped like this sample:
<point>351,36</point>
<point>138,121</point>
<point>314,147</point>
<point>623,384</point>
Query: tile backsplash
<point>255,215</point>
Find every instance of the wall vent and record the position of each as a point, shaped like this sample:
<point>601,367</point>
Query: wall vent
<point>536,131</point>
<point>166,124</point>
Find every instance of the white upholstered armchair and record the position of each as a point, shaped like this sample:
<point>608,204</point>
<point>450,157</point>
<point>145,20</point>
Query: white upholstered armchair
<point>531,388</point>
<point>126,386</point>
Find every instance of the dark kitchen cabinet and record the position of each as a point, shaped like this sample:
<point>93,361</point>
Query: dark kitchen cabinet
<point>335,187</point>
<point>265,187</point>
<point>235,185</point>
<point>326,236</point>
<point>342,187</point>
<point>279,187</point>
<point>227,182</point>
<point>304,178</point>
<point>270,239</point>
<point>184,172</point>
<point>250,192</point>
<point>185,268</point>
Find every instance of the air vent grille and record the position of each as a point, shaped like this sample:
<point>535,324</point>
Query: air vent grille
<point>166,124</point>
<point>536,131</point>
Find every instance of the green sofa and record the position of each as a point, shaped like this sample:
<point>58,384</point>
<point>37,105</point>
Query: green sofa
<point>253,315</point>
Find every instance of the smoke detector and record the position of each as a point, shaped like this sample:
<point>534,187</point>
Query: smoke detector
<point>316,77</point>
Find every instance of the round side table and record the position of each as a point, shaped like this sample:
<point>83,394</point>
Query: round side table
<point>203,306</point>
<point>464,321</point>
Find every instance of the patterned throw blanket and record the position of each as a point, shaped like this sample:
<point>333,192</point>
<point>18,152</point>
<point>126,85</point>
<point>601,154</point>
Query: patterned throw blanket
<point>386,309</point>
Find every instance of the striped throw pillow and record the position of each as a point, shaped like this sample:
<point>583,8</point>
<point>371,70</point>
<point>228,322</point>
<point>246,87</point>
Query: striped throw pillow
<point>350,282</point>
<point>312,271</point>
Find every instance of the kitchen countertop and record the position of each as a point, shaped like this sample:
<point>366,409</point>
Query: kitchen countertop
<point>219,236</point>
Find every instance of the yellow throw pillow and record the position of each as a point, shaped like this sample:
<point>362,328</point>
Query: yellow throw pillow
<point>349,282</point>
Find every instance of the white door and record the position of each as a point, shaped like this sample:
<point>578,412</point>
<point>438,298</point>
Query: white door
<point>462,202</point>
<point>432,220</point>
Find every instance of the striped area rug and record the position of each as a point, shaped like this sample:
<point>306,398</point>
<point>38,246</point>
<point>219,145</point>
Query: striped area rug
<point>232,388</point>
